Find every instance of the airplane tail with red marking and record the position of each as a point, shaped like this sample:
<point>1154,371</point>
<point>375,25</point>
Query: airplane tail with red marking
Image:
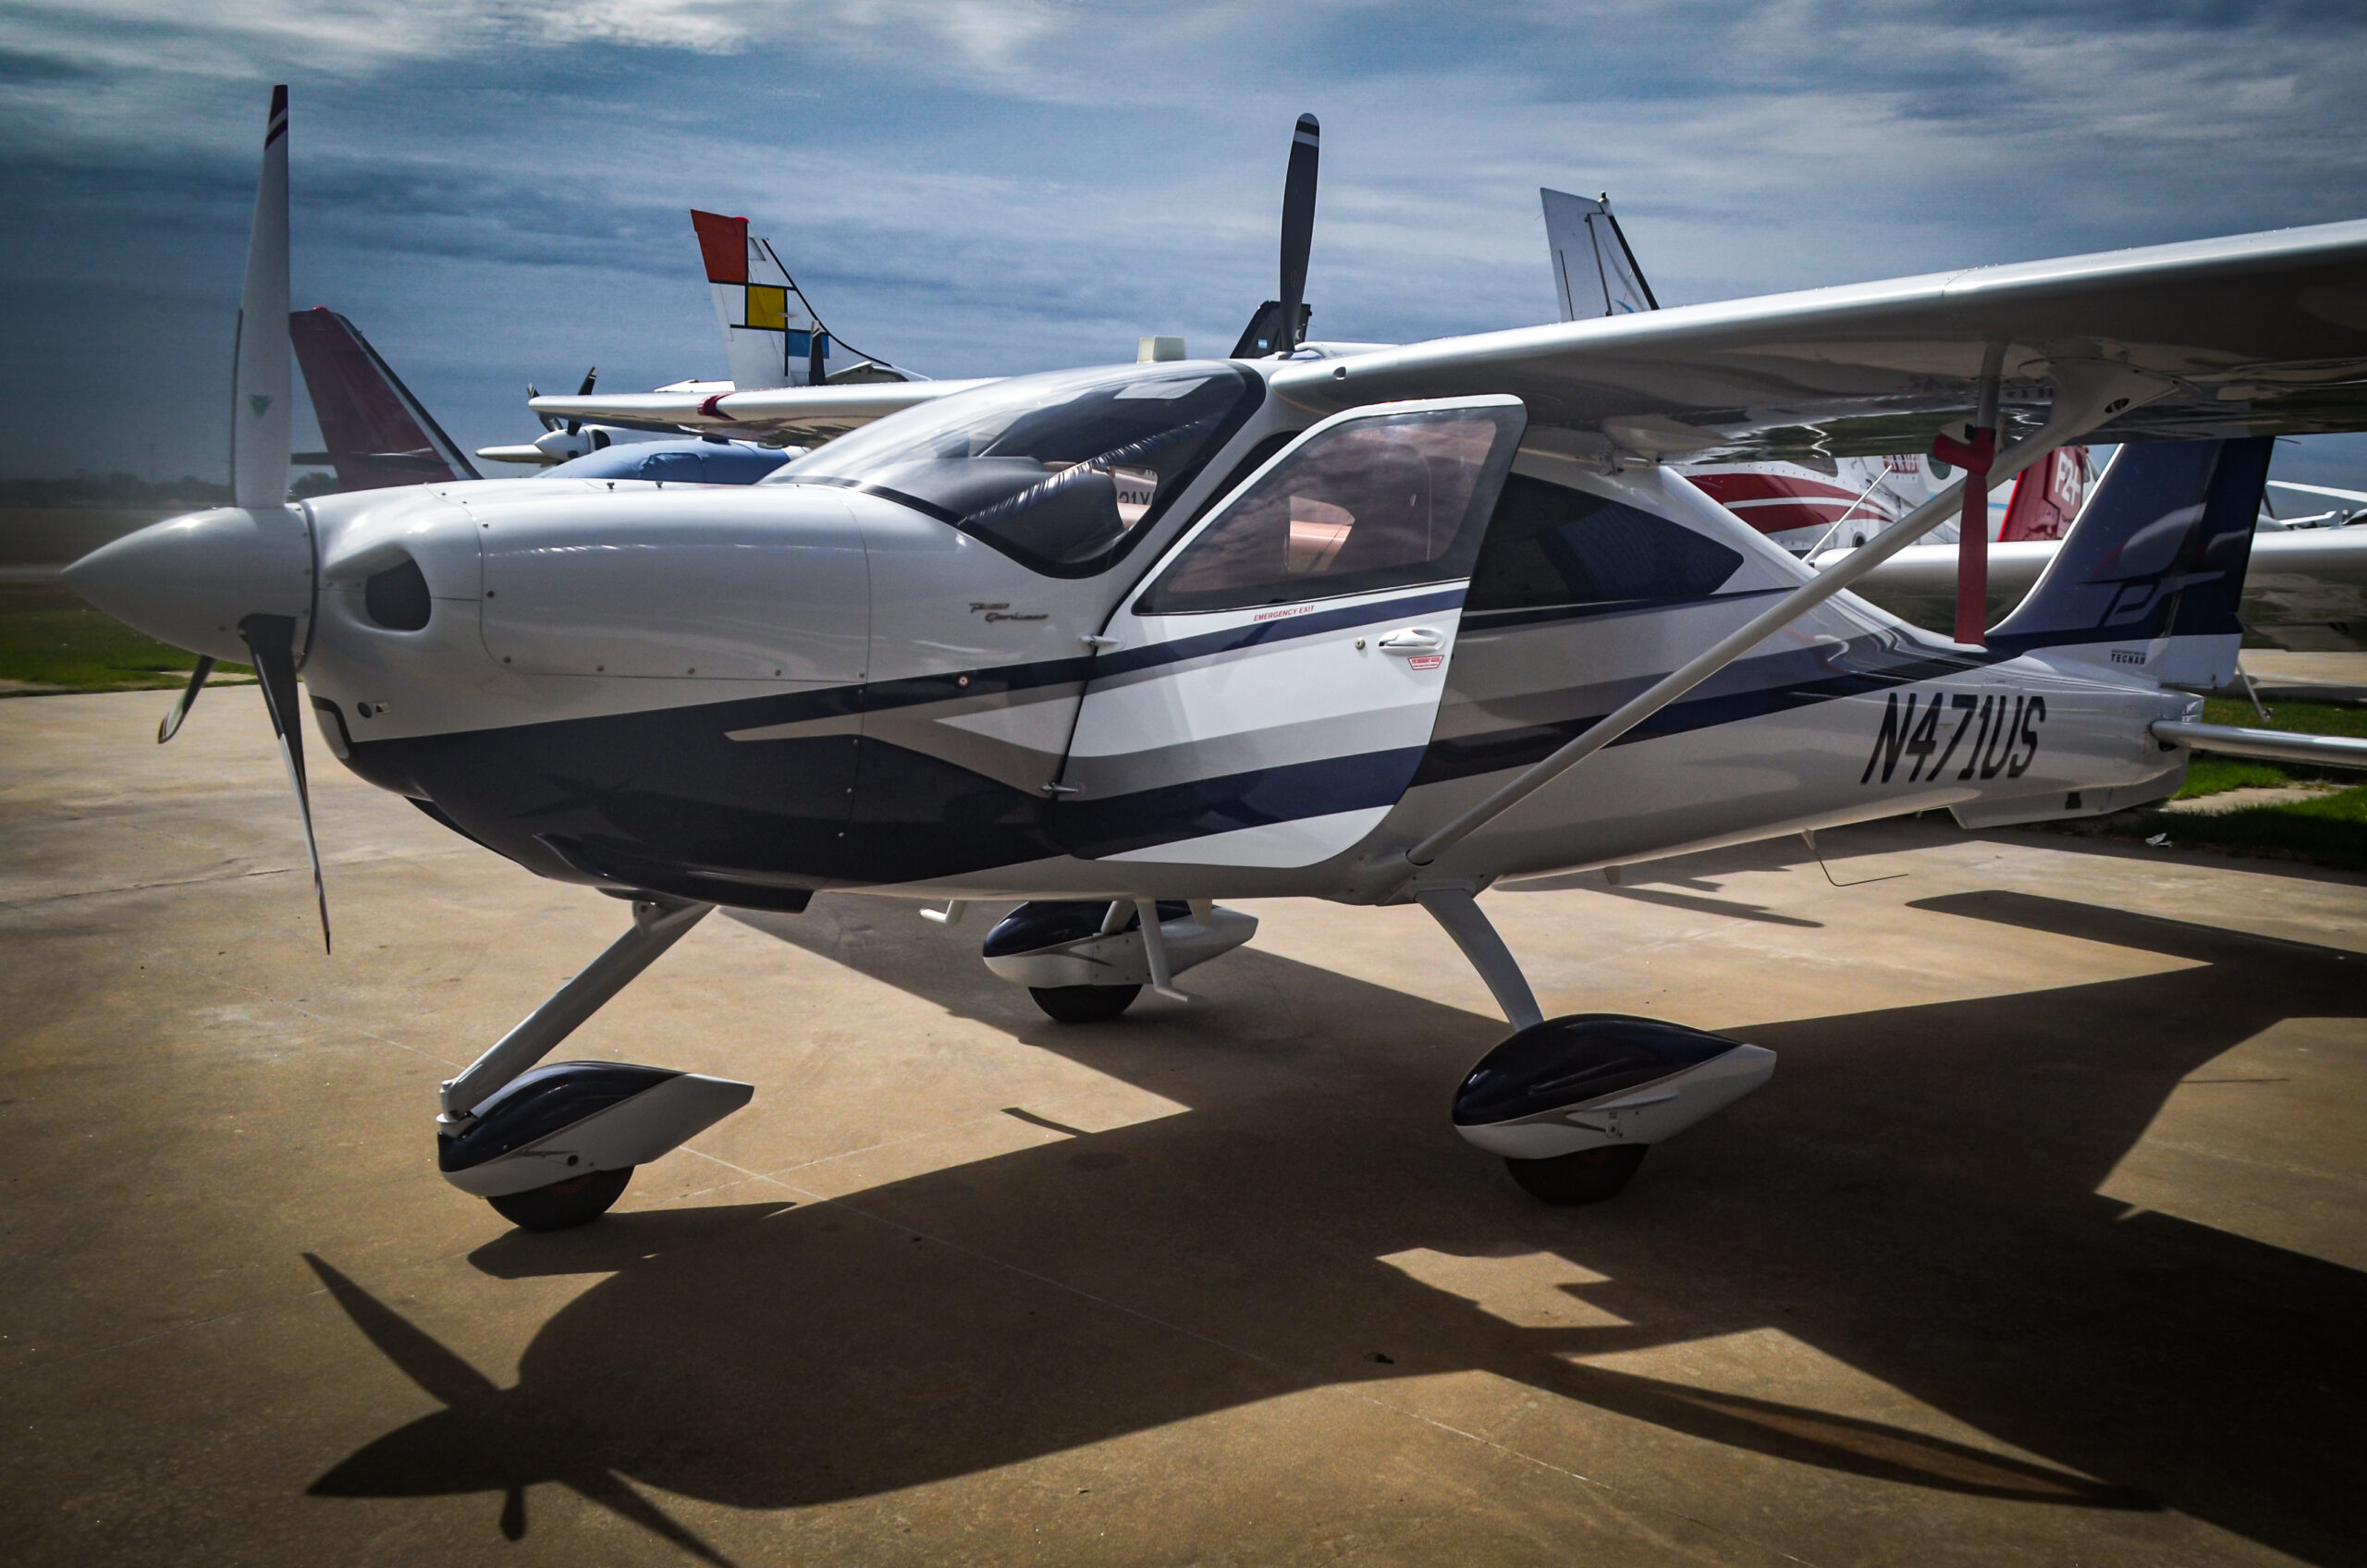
<point>769,335</point>
<point>377,435</point>
<point>2047,497</point>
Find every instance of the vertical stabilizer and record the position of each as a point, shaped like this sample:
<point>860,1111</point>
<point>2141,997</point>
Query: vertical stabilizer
<point>1594,272</point>
<point>2046,496</point>
<point>260,379</point>
<point>2149,578</point>
<point>376,432</point>
<point>769,336</point>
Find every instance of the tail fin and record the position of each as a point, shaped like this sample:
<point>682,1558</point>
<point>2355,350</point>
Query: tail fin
<point>1594,272</point>
<point>2149,576</point>
<point>1263,336</point>
<point>376,432</point>
<point>769,335</point>
<point>2046,496</point>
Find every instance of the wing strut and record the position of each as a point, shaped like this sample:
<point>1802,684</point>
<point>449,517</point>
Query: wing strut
<point>2086,396</point>
<point>1975,455</point>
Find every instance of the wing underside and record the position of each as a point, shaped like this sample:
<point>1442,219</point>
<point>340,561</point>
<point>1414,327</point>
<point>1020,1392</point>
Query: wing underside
<point>2258,335</point>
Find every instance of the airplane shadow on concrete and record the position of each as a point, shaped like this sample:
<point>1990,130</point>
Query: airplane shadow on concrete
<point>1914,1195</point>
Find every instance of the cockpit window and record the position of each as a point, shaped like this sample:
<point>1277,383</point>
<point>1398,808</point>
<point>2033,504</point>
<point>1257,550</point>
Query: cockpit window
<point>1060,472</point>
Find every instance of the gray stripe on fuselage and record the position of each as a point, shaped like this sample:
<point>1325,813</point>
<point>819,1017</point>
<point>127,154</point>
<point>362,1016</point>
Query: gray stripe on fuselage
<point>1217,756</point>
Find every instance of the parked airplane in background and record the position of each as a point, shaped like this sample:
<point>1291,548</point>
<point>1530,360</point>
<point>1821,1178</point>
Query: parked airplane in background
<point>1376,627</point>
<point>377,433</point>
<point>1812,502</point>
<point>2304,592</point>
<point>2352,510</point>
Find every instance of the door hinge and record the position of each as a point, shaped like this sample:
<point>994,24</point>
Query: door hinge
<point>1059,788</point>
<point>1098,644</point>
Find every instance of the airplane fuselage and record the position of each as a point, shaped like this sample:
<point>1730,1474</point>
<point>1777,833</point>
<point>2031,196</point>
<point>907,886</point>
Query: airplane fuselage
<point>744,695</point>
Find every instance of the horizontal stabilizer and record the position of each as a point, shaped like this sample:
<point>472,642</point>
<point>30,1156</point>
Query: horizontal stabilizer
<point>2273,745</point>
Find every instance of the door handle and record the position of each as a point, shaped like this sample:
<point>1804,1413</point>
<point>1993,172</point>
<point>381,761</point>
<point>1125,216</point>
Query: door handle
<point>1413,640</point>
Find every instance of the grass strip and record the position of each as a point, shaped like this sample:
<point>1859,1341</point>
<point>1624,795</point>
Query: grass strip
<point>51,638</point>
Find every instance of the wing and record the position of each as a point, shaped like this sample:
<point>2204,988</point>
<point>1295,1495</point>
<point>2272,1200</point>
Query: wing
<point>798,413</point>
<point>2262,334</point>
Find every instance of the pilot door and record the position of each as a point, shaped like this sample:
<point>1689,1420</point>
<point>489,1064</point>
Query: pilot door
<point>1265,700</point>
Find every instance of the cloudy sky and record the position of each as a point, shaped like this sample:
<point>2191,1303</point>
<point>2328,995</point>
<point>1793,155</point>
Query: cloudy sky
<point>496,190</point>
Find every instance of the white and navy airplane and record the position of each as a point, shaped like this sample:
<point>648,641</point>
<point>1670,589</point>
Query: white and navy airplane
<point>1373,627</point>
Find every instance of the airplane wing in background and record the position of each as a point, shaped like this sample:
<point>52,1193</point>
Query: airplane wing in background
<point>2309,577</point>
<point>2327,490</point>
<point>2262,334</point>
<point>796,414</point>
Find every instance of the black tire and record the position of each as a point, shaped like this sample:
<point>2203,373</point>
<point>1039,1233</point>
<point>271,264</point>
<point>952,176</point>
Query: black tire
<point>1084,1004</point>
<point>1588,1176</point>
<point>562,1205</point>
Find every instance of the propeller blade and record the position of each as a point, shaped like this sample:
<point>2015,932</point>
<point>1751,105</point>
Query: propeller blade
<point>550,422</point>
<point>273,637</point>
<point>1298,226</point>
<point>575,426</point>
<point>171,724</point>
<point>261,381</point>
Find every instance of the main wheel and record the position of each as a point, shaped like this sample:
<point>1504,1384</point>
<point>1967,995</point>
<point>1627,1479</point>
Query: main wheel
<point>1084,1004</point>
<point>1588,1176</point>
<point>579,1200</point>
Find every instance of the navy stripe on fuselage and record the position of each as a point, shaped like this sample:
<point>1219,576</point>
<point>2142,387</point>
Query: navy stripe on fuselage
<point>1092,828</point>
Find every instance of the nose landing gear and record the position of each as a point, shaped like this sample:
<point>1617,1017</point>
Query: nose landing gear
<point>553,1147</point>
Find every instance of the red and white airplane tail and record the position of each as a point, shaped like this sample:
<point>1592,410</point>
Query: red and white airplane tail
<point>377,435</point>
<point>2047,497</point>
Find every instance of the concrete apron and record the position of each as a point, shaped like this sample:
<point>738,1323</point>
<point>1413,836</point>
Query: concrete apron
<point>2046,1242</point>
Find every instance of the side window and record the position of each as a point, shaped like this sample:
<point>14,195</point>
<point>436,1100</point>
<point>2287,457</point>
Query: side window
<point>1553,547</point>
<point>1375,502</point>
<point>677,468</point>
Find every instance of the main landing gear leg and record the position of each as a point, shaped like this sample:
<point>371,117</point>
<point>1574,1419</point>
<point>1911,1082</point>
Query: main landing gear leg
<point>1456,909</point>
<point>587,1124</point>
<point>1587,1175</point>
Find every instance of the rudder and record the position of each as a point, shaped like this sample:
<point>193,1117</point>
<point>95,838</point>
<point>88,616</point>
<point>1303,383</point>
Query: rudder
<point>2150,574</point>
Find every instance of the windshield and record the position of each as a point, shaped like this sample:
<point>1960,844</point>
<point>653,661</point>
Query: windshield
<point>1062,471</point>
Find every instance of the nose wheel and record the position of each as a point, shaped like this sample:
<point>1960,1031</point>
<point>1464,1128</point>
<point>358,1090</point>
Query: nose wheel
<point>562,1205</point>
<point>1084,1004</point>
